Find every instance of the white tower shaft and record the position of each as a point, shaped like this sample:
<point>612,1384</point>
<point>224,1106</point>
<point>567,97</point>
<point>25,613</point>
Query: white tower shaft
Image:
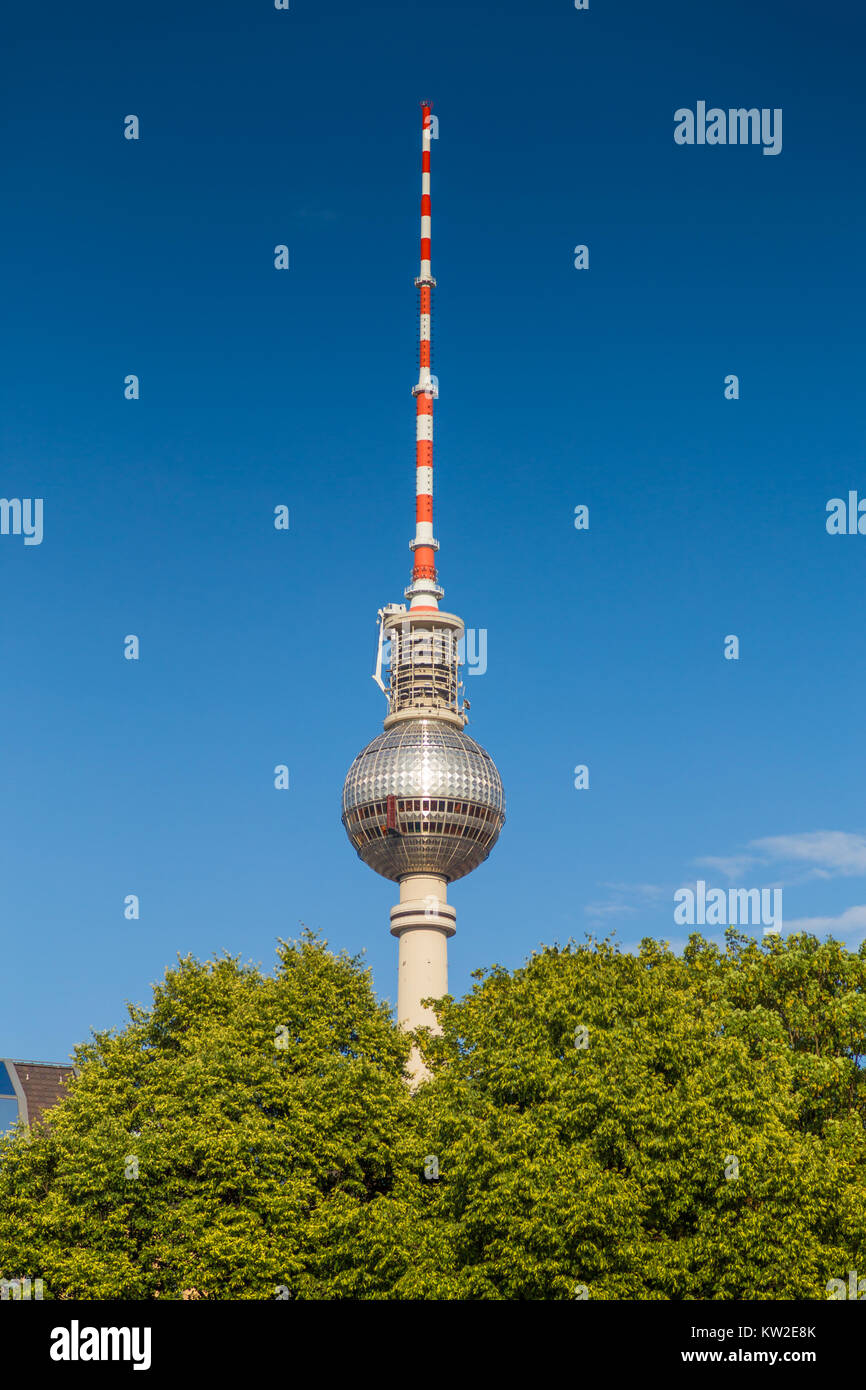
<point>422,922</point>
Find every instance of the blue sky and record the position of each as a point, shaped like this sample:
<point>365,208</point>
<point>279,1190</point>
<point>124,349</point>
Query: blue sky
<point>557,387</point>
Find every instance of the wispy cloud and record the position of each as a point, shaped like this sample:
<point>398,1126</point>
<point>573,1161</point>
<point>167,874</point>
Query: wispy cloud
<point>734,866</point>
<point>644,891</point>
<point>608,909</point>
<point>850,922</point>
<point>832,852</point>
<point>784,860</point>
<point>627,898</point>
<point>821,853</point>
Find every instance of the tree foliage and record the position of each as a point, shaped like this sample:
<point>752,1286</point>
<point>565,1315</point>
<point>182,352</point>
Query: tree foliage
<point>201,1147</point>
<point>605,1125</point>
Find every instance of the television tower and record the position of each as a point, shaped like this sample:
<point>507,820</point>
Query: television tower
<point>423,803</point>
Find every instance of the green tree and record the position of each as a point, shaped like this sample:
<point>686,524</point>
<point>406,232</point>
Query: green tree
<point>606,1125</point>
<point>201,1148</point>
<point>652,1126</point>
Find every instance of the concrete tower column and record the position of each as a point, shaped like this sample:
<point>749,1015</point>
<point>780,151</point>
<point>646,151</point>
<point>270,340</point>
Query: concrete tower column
<point>422,921</point>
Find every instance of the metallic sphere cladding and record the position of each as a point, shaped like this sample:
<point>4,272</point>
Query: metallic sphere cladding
<point>448,806</point>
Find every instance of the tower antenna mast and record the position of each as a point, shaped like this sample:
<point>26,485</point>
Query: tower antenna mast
<point>424,592</point>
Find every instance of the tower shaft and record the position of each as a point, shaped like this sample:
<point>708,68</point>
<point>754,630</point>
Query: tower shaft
<point>423,920</point>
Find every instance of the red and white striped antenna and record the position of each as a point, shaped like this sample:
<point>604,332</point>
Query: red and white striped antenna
<point>424,593</point>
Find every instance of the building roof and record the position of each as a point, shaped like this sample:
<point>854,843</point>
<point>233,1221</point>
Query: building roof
<point>35,1085</point>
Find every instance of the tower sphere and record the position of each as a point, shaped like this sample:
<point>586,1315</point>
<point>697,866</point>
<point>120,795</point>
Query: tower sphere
<point>447,803</point>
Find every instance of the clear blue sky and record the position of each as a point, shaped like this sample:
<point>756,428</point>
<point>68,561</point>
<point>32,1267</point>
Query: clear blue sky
<point>557,387</point>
